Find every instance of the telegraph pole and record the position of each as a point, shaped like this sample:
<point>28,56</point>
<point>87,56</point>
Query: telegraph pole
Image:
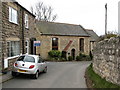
<point>106,19</point>
<point>119,17</point>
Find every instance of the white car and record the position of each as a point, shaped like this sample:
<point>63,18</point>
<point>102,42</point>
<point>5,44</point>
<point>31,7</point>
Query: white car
<point>29,64</point>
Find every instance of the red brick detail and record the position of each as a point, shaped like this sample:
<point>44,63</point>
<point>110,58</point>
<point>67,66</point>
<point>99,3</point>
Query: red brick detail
<point>68,45</point>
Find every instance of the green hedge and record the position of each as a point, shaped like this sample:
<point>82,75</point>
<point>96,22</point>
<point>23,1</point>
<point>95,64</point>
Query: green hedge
<point>54,54</point>
<point>83,57</point>
<point>70,58</point>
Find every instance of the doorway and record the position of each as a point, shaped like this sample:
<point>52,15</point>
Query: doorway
<point>73,53</point>
<point>32,47</point>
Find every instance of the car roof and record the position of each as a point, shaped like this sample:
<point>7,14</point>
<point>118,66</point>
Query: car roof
<point>35,56</point>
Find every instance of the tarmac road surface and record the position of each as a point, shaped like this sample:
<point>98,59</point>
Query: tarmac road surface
<point>59,75</point>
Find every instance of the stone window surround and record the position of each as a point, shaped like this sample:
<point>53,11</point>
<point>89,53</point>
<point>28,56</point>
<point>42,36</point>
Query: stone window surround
<point>81,42</point>
<point>27,46</point>
<point>26,21</point>
<point>12,39</point>
<point>13,15</point>
<point>55,47</point>
<point>13,48</point>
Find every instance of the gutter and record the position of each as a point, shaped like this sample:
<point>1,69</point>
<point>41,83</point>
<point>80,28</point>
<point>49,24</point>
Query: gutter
<point>65,35</point>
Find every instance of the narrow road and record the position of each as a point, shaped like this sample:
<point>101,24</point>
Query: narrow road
<point>59,75</point>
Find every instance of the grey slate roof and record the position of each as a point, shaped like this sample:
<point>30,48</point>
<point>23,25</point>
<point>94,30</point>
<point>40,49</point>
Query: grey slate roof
<point>93,35</point>
<point>51,28</point>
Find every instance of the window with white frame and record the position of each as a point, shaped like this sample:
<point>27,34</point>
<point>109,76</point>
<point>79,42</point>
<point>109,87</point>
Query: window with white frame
<point>26,20</point>
<point>13,15</point>
<point>13,48</point>
<point>27,47</point>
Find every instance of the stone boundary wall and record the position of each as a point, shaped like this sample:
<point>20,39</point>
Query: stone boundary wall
<point>106,60</point>
<point>0,35</point>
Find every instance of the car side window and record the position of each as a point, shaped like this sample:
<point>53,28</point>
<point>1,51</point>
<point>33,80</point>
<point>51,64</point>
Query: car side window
<point>42,60</point>
<point>39,60</point>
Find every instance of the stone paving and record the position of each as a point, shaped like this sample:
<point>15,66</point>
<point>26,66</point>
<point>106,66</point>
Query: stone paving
<point>5,77</point>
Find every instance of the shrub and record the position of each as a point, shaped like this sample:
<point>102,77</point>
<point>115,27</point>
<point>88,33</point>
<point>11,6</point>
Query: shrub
<point>56,58</point>
<point>63,59</point>
<point>51,59</point>
<point>70,58</point>
<point>83,57</point>
<point>80,54</point>
<point>78,58</point>
<point>54,53</point>
<point>87,58</point>
<point>108,36</point>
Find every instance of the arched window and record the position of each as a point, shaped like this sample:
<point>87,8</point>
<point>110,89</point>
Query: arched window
<point>54,43</point>
<point>81,44</point>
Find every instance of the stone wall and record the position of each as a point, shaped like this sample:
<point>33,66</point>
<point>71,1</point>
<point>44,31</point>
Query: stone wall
<point>10,30</point>
<point>14,32</point>
<point>46,44</point>
<point>0,35</point>
<point>106,61</point>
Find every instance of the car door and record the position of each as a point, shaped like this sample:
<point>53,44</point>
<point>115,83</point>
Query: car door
<point>43,63</point>
<point>40,65</point>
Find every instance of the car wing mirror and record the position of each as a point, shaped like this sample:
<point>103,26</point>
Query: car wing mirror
<point>43,61</point>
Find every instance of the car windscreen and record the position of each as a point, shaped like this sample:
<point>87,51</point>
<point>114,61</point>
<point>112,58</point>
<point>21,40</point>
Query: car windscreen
<point>26,59</point>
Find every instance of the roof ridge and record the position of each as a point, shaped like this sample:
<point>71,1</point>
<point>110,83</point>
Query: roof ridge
<point>56,28</point>
<point>84,29</point>
<point>60,23</point>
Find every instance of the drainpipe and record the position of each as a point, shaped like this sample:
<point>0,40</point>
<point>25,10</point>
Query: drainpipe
<point>23,51</point>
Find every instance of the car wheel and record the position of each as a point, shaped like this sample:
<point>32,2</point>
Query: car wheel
<point>14,74</point>
<point>45,70</point>
<point>36,75</point>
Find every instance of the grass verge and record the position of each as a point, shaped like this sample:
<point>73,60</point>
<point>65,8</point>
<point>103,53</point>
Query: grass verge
<point>93,80</point>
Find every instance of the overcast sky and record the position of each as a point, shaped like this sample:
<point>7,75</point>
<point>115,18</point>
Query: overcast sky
<point>88,13</point>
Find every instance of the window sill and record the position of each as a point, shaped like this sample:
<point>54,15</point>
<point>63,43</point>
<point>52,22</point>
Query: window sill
<point>13,23</point>
<point>27,28</point>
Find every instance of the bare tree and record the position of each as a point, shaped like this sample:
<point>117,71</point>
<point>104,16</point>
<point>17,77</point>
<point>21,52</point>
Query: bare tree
<point>43,12</point>
<point>31,8</point>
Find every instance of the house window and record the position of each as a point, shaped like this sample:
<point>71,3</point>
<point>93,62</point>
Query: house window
<point>26,21</point>
<point>12,15</point>
<point>91,45</point>
<point>13,48</point>
<point>81,44</point>
<point>54,43</point>
<point>27,46</point>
